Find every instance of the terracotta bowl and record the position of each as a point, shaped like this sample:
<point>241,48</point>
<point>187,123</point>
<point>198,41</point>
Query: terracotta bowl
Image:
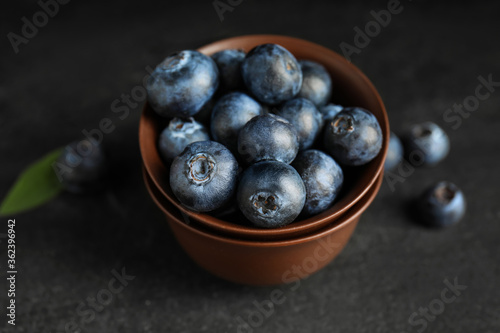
<point>261,262</point>
<point>351,88</point>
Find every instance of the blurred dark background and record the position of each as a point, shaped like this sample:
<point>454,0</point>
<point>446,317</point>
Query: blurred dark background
<point>65,79</point>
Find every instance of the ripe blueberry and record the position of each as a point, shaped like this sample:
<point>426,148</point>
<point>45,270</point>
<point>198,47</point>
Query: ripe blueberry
<point>322,178</point>
<point>271,73</point>
<point>353,137</point>
<point>182,83</point>
<point>329,111</point>
<point>394,153</point>
<point>316,83</point>
<point>203,177</point>
<point>306,119</point>
<point>82,167</point>
<point>441,205</point>
<point>229,65</point>
<point>229,115</point>
<point>426,144</point>
<point>271,194</point>
<point>177,135</point>
<point>268,137</point>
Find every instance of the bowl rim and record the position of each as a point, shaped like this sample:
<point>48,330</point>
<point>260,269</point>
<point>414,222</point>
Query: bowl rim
<point>145,126</point>
<point>351,216</point>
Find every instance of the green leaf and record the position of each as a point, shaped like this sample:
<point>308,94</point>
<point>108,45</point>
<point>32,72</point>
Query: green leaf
<point>36,185</point>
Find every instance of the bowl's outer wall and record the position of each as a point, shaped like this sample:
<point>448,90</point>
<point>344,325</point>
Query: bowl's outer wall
<point>258,262</point>
<point>260,265</point>
<point>351,87</point>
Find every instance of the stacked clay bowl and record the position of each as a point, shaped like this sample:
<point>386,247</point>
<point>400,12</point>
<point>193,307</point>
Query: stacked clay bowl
<point>228,245</point>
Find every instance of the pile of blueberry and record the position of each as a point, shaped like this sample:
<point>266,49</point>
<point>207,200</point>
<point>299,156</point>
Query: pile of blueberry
<point>257,128</point>
<point>260,129</point>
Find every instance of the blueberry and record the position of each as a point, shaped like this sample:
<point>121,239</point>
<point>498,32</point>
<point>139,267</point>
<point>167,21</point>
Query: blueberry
<point>441,205</point>
<point>306,119</point>
<point>229,115</point>
<point>329,111</point>
<point>229,65</point>
<point>426,144</point>
<point>271,73</point>
<point>394,153</point>
<point>204,176</point>
<point>322,178</point>
<point>271,194</point>
<point>268,137</point>
<point>316,83</point>
<point>177,135</point>
<point>82,167</point>
<point>353,137</point>
<point>181,84</point>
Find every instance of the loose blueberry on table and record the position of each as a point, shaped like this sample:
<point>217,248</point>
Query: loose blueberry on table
<point>394,153</point>
<point>353,137</point>
<point>441,205</point>
<point>426,144</point>
<point>271,194</point>
<point>182,84</point>
<point>83,167</point>
<point>203,177</point>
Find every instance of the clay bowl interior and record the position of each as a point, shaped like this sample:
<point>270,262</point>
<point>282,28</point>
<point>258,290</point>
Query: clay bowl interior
<point>260,262</point>
<point>351,88</point>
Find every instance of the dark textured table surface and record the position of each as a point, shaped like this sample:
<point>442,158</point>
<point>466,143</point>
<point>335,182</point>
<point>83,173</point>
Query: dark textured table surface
<point>64,80</point>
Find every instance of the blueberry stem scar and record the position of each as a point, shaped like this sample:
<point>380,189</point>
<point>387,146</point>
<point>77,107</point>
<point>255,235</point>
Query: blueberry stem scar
<point>343,125</point>
<point>265,203</point>
<point>202,168</point>
<point>444,193</point>
<point>422,131</point>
